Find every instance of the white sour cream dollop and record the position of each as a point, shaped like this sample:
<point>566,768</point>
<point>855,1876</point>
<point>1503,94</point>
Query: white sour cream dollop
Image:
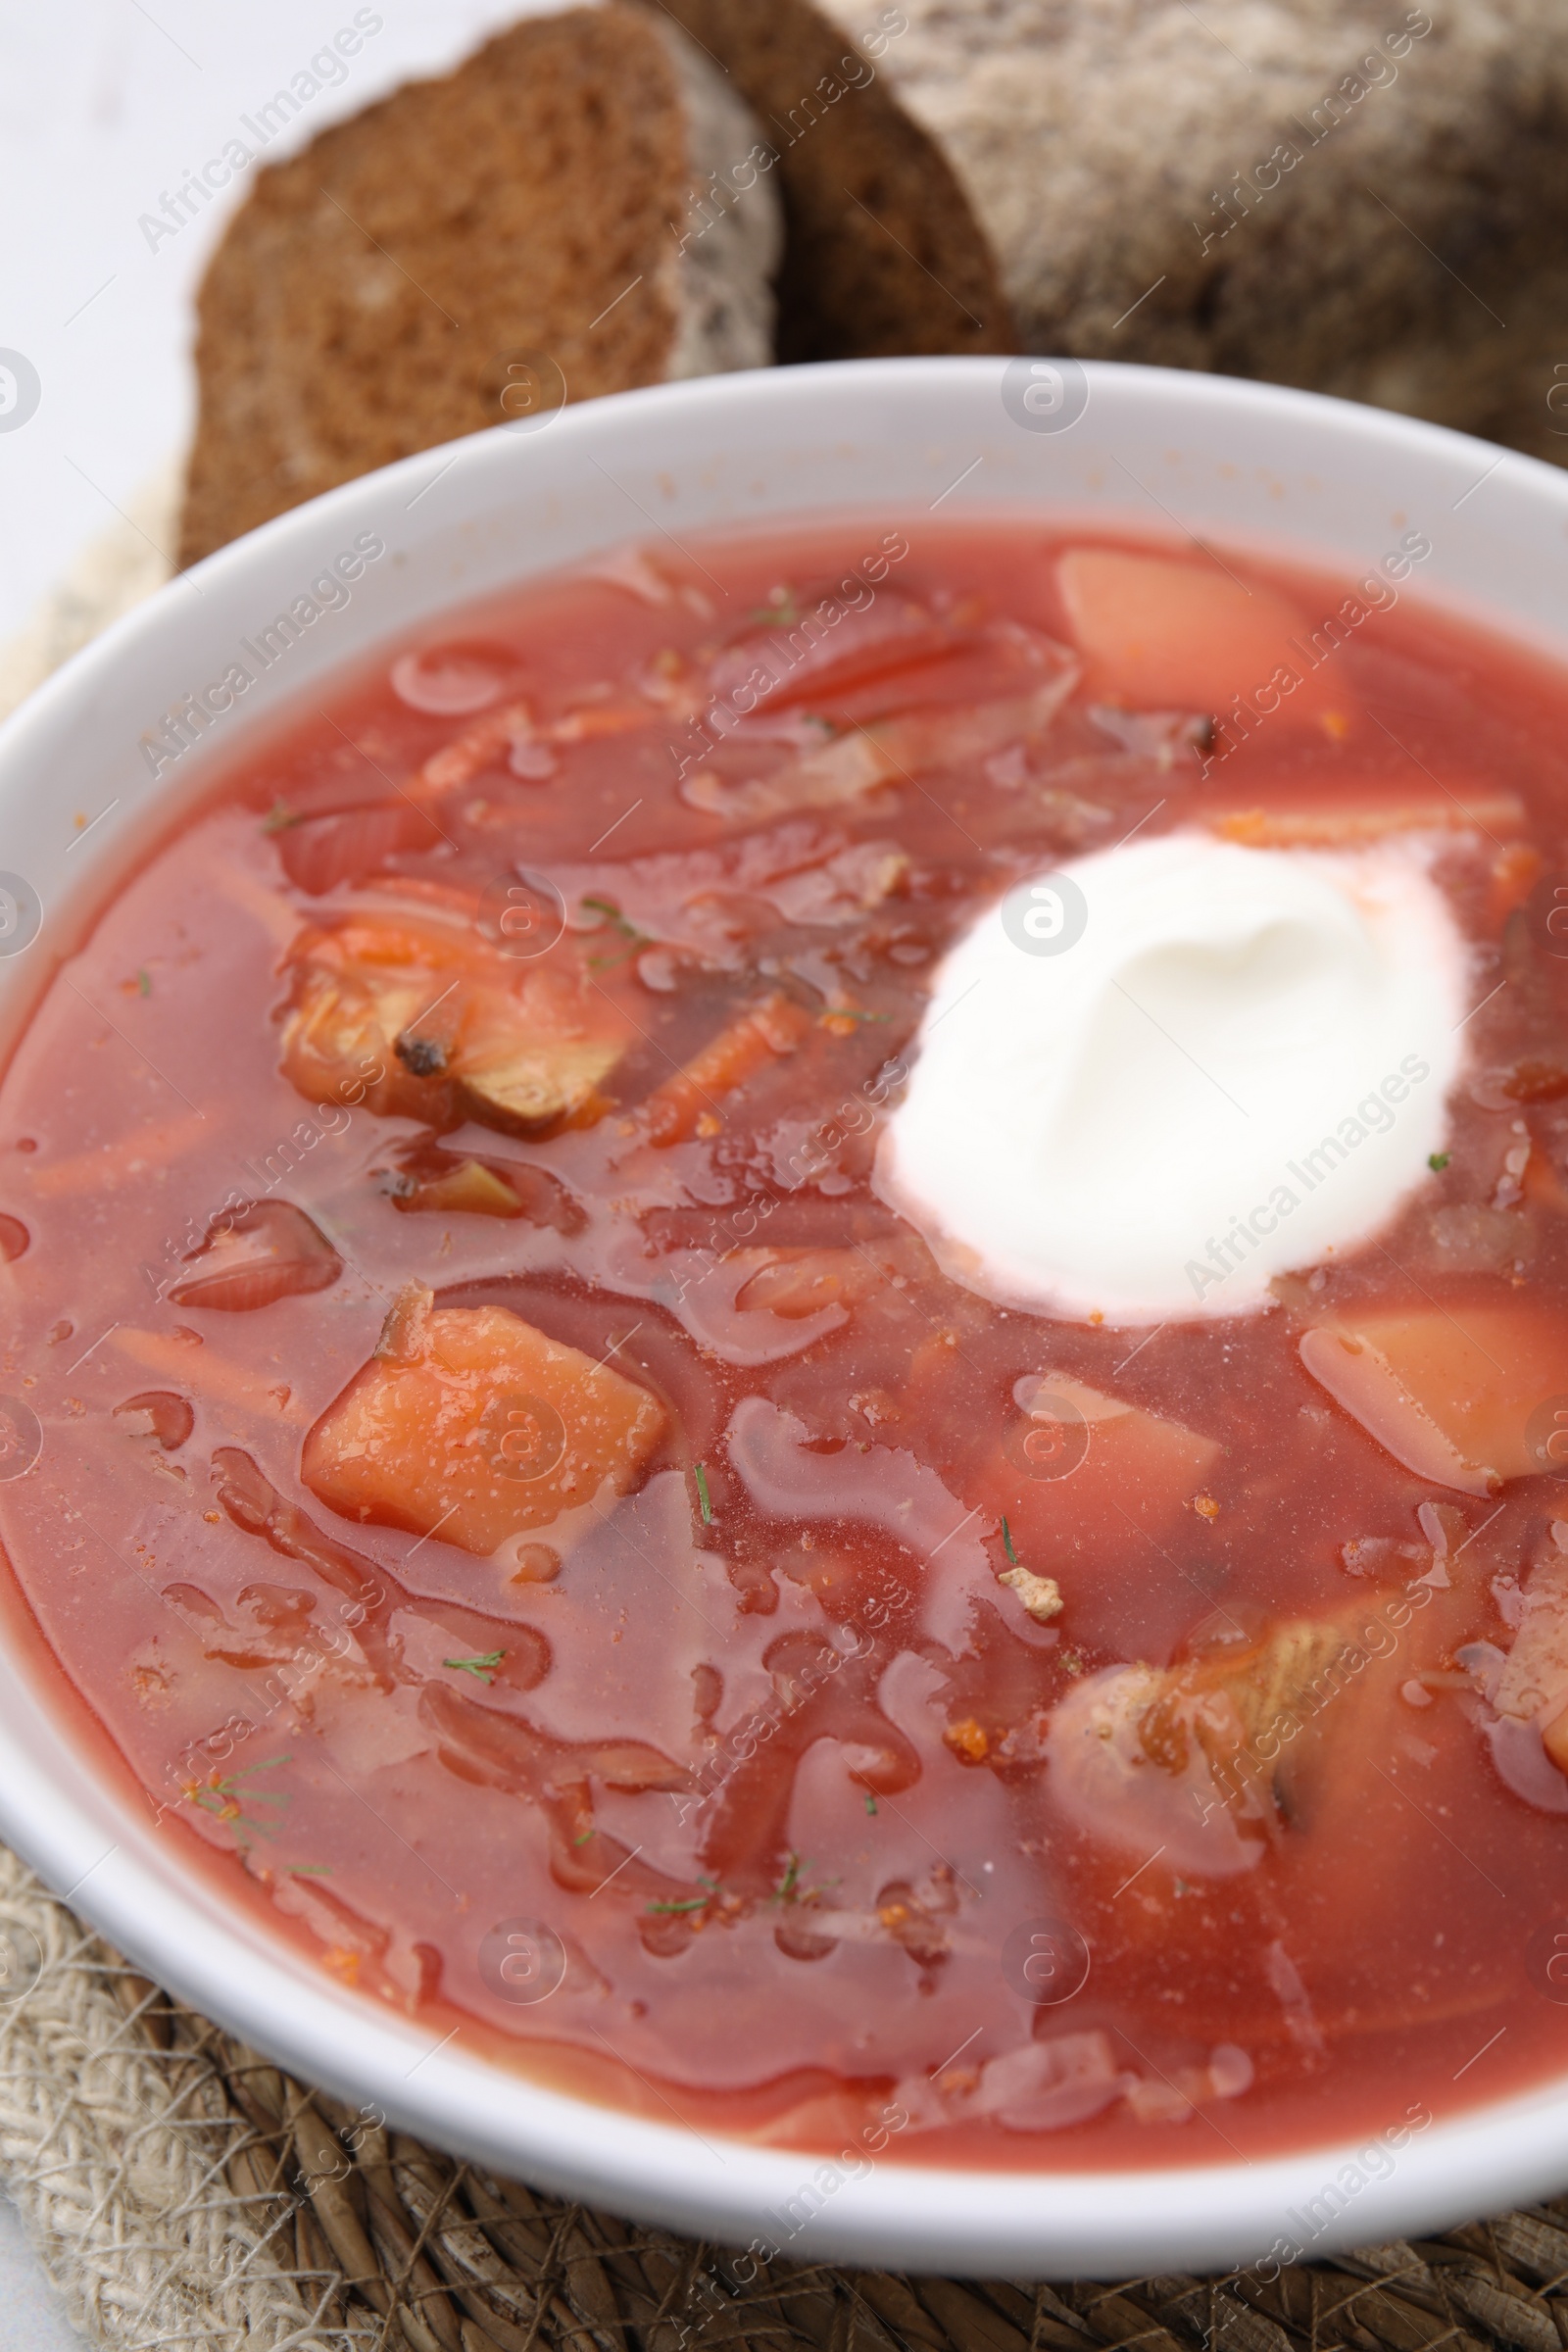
<point>1156,1077</point>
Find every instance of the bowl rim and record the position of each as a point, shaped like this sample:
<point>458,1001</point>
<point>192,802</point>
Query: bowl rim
<point>1196,2215</point>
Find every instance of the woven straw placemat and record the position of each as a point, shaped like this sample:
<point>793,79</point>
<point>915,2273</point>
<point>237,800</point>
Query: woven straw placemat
<point>181,2190</point>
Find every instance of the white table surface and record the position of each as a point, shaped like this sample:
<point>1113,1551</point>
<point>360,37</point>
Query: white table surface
<point>105,105</point>
<point>30,2316</point>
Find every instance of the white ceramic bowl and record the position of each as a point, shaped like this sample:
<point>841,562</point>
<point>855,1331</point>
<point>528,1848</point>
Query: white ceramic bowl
<point>1161,451</point>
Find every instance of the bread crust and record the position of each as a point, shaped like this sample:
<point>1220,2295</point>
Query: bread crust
<point>885,254</point>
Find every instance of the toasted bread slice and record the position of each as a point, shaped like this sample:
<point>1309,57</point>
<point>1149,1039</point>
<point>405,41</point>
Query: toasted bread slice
<point>473,251</point>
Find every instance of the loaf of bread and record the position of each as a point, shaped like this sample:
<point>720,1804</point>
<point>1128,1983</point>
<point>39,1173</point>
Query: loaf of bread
<point>1362,200</point>
<point>474,250</point>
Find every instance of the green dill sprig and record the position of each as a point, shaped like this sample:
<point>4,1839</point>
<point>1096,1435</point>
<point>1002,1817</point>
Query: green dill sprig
<point>482,1668</point>
<point>792,1889</point>
<point>613,914</point>
<point>630,932</point>
<point>712,1892</point>
<point>226,1800</point>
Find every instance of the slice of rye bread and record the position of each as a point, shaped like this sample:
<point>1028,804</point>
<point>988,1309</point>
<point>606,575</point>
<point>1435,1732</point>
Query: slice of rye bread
<point>475,249</point>
<point>1305,190</point>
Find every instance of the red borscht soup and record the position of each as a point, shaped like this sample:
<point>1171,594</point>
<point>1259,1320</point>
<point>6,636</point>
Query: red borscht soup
<point>553,1524</point>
